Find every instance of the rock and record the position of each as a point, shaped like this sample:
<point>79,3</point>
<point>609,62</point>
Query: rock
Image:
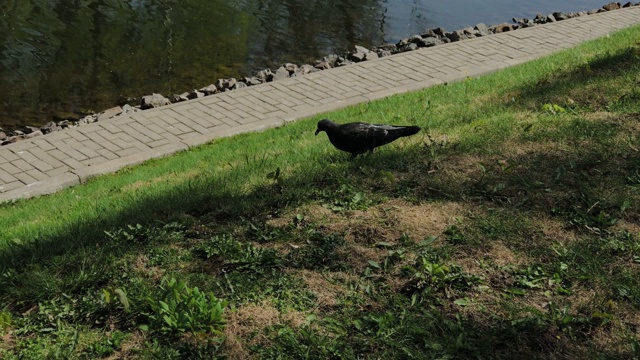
<point>209,90</point>
<point>408,47</point>
<point>551,18</point>
<point>331,59</point>
<point>342,61</point>
<point>33,134</point>
<point>456,35</point>
<point>611,6</point>
<point>3,136</point>
<point>305,69</point>
<point>281,73</point>
<point>357,57</point>
<point>626,5</point>
<point>11,140</point>
<point>30,129</point>
<point>481,27</point>
<point>388,47</point>
<point>64,124</point>
<point>265,75</point>
<point>88,119</point>
<point>371,56</point>
<point>176,98</point>
<point>239,85</point>
<point>581,13</point>
<point>291,68</point>
<point>127,109</point>
<point>561,16</point>
<point>415,39</point>
<point>591,12</point>
<point>383,53</point>
<point>49,127</point>
<point>323,65</point>
<point>540,19</point>
<point>361,49</point>
<point>429,42</point>
<point>500,28</point>
<point>195,94</point>
<point>153,101</point>
<point>252,81</point>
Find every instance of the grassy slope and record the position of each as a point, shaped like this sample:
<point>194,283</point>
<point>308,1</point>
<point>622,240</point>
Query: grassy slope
<point>507,229</point>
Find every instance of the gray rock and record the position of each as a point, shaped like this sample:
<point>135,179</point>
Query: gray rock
<point>49,127</point>
<point>481,27</point>
<point>127,109</point>
<point>361,49</point>
<point>388,47</point>
<point>500,28</point>
<point>305,69</point>
<point>239,85</point>
<point>357,57</point>
<point>330,59</point>
<point>153,101</point>
<point>591,12</point>
<point>64,124</point>
<point>2,136</point>
<point>560,16</point>
<point>30,129</point>
<point>408,47</point>
<point>429,42</point>
<point>265,75</point>
<point>322,65</point>
<point>195,94</point>
<point>89,119</point>
<point>176,98</point>
<point>281,73</point>
<point>252,81</point>
<point>383,53</point>
<point>611,6</point>
<point>11,140</point>
<point>628,4</point>
<point>33,134</point>
<point>551,18</point>
<point>456,35</point>
<point>540,19</point>
<point>371,56</point>
<point>291,68</point>
<point>209,90</point>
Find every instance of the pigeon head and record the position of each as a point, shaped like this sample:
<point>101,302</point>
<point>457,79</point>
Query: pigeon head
<point>324,125</point>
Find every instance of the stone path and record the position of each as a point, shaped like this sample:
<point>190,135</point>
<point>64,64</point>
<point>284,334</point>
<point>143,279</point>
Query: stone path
<point>49,163</point>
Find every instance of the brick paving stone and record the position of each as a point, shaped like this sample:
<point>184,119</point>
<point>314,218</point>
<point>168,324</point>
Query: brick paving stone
<point>25,178</point>
<point>6,178</point>
<point>73,155</point>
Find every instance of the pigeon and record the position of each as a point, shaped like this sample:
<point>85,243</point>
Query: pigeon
<point>358,138</point>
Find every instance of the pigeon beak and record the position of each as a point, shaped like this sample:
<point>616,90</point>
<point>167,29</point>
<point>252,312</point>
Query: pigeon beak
<point>317,131</point>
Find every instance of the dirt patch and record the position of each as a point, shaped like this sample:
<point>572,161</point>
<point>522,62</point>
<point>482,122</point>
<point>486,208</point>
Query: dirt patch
<point>246,325</point>
<point>327,292</point>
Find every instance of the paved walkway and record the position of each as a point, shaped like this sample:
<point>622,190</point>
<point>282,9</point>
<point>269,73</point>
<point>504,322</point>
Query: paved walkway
<point>49,163</point>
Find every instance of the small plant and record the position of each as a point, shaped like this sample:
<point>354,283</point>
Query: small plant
<point>553,109</point>
<point>181,308</point>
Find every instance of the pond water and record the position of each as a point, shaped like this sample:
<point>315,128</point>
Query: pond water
<point>64,58</point>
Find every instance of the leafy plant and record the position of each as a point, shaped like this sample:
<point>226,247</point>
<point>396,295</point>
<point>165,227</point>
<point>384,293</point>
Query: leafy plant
<point>181,308</point>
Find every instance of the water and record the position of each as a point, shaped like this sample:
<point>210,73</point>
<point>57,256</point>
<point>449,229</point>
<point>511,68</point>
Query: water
<point>65,58</point>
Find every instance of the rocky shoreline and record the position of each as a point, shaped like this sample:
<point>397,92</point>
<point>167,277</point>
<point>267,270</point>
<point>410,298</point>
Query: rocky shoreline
<point>431,37</point>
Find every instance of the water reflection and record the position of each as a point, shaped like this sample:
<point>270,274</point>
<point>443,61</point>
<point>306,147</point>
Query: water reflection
<point>64,57</point>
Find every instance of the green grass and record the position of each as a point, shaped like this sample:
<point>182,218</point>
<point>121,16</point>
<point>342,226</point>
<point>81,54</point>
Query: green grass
<point>507,229</point>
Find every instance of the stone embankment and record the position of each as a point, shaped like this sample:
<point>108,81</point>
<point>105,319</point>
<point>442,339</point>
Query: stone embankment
<point>431,37</point>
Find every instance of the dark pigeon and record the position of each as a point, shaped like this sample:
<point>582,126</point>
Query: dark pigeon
<point>357,138</point>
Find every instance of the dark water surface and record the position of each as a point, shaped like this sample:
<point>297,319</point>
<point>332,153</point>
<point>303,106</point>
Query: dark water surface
<point>60,58</point>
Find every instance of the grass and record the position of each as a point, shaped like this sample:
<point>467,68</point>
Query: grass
<point>508,228</point>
